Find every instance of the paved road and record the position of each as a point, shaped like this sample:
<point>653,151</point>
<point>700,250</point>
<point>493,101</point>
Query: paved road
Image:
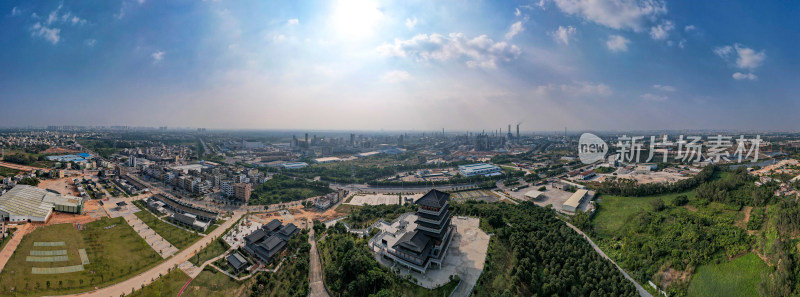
<point>147,277</point>
<point>315,270</point>
<point>642,291</point>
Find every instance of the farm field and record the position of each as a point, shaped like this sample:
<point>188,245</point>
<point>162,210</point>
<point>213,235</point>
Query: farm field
<point>739,277</point>
<point>113,250</point>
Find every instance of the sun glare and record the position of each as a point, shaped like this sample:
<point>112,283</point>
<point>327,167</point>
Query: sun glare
<point>355,19</point>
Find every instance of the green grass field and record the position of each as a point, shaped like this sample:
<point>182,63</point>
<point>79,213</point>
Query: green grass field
<point>114,254</point>
<point>615,211</point>
<point>178,237</point>
<point>215,248</point>
<point>212,283</point>
<point>168,285</point>
<point>739,277</point>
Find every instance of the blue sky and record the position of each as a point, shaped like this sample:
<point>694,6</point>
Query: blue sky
<point>361,64</point>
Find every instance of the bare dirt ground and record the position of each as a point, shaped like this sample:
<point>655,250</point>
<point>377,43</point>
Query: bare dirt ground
<point>61,185</point>
<point>18,167</point>
<point>646,177</point>
<point>92,211</point>
<point>671,275</point>
<point>746,210</point>
<point>298,216</point>
<point>59,150</point>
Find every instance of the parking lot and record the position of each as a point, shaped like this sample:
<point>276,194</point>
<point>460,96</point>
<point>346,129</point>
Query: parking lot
<point>379,199</point>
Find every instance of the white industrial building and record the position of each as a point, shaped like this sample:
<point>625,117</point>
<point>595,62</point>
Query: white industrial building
<point>479,169</point>
<point>574,202</point>
<point>28,203</point>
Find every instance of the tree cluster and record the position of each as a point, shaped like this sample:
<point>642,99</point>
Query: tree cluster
<point>535,254</point>
<point>281,188</point>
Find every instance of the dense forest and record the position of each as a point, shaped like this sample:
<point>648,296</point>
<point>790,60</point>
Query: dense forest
<point>533,253</point>
<point>281,188</point>
<point>737,188</point>
<point>351,270</point>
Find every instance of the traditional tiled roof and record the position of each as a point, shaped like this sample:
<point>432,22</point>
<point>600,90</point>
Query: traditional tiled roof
<point>434,198</point>
<point>414,241</point>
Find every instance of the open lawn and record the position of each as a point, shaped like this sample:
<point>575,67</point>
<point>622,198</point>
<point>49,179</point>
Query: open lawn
<point>207,284</point>
<point>114,250</point>
<point>614,211</point>
<point>739,277</point>
<point>168,285</point>
<point>215,248</point>
<point>212,283</point>
<point>178,237</point>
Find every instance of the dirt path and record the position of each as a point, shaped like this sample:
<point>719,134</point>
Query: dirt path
<point>18,167</point>
<point>315,269</point>
<point>12,244</point>
<point>747,210</point>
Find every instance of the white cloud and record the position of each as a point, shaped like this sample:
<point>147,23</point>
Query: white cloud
<point>575,89</point>
<point>664,88</point>
<point>749,58</point>
<point>15,11</point>
<point>516,11</point>
<point>293,22</point>
<point>617,43</point>
<point>279,38</point>
<point>395,76</point>
<point>563,34</point>
<point>50,34</point>
<point>654,98</point>
<point>723,51</point>
<point>741,76</point>
<point>53,16</point>
<point>410,23</point>
<point>682,43</point>
<point>140,2</point>
<point>480,51</point>
<point>689,28</point>
<point>158,56</point>
<point>616,14</point>
<point>515,29</point>
<point>661,31</point>
<point>746,58</point>
<point>90,42</point>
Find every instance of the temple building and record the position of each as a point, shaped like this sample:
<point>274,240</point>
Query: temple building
<point>421,239</point>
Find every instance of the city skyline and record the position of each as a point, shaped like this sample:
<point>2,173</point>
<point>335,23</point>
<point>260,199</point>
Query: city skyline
<point>364,65</point>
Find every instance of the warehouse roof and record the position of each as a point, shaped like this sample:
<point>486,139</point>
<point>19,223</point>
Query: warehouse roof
<point>575,199</point>
<point>29,201</point>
